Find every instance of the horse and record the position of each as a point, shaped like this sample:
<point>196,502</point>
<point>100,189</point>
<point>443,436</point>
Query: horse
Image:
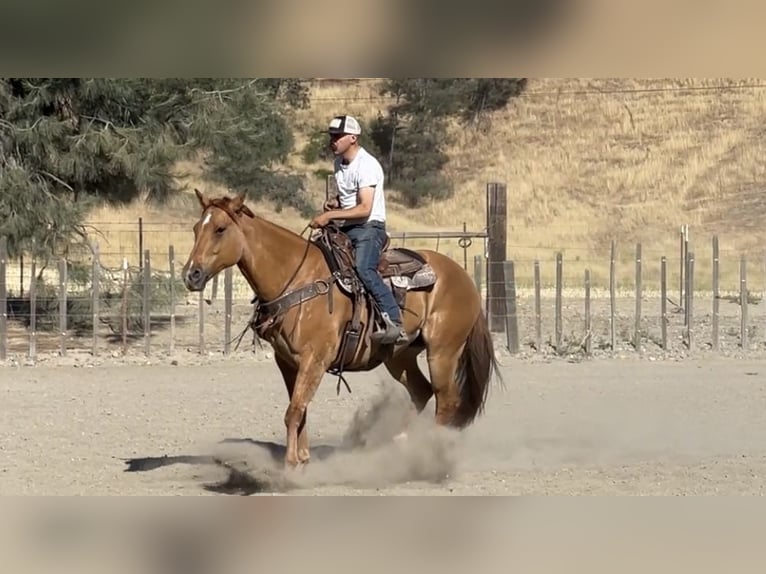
<point>310,308</point>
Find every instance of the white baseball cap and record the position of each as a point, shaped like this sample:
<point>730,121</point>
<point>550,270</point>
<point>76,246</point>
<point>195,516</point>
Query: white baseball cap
<point>344,125</point>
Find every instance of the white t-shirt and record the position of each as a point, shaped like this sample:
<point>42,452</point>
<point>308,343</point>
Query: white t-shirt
<point>363,171</point>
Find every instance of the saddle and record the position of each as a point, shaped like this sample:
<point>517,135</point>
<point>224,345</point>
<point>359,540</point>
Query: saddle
<point>402,268</point>
<point>339,251</point>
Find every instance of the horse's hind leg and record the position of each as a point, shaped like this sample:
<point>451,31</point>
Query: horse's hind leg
<point>404,368</point>
<point>443,369</point>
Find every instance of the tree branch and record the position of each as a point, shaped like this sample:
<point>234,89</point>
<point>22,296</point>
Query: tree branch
<point>57,180</point>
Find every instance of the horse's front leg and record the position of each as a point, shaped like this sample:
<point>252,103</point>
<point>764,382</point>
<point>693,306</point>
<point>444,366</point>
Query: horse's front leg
<point>290,374</point>
<point>306,382</point>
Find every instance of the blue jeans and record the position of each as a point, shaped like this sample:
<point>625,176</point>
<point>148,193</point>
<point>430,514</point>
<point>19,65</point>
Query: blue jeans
<point>368,240</point>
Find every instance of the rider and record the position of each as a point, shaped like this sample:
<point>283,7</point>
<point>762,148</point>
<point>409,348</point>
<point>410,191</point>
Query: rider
<point>362,206</point>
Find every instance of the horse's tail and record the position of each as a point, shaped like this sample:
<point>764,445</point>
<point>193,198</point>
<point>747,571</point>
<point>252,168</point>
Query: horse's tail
<point>476,365</point>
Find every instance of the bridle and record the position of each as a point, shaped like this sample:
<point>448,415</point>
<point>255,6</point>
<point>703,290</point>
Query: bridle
<point>233,216</point>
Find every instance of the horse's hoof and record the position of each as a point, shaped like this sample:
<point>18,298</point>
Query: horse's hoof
<point>297,467</point>
<point>401,437</point>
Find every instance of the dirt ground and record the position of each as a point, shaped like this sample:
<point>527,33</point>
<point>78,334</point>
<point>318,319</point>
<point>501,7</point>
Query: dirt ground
<point>629,425</point>
<point>652,421</point>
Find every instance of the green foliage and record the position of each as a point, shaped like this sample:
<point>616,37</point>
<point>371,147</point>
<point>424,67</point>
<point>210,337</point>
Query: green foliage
<point>412,137</point>
<point>317,148</point>
<point>413,157</point>
<point>71,143</point>
<point>466,98</point>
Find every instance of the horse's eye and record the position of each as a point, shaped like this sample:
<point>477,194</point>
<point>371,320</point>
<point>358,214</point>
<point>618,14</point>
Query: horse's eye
<point>220,230</point>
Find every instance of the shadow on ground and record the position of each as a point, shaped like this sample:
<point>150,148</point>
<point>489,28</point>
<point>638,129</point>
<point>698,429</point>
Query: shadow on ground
<point>372,454</point>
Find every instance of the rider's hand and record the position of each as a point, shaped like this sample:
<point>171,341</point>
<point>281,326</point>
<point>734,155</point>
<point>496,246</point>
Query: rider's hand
<point>319,221</point>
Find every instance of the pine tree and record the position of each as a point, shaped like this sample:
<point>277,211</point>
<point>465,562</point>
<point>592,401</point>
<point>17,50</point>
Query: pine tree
<point>412,138</point>
<point>69,144</point>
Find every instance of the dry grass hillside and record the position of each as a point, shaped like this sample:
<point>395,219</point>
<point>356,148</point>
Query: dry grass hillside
<point>585,161</point>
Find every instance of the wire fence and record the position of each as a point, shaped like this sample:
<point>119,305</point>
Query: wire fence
<point>644,300</point>
<point>119,303</point>
<point>687,302</point>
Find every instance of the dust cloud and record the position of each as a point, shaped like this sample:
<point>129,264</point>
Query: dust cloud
<point>386,443</point>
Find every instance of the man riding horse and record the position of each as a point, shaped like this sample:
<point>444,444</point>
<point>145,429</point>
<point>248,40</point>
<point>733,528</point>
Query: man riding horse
<point>361,205</point>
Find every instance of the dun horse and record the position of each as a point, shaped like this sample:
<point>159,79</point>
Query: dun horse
<point>313,312</point>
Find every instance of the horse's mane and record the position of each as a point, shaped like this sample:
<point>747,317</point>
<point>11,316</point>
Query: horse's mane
<point>225,202</point>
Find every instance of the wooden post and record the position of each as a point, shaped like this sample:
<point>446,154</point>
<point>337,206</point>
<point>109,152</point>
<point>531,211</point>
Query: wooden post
<point>511,318</point>
<point>588,328</point>
<point>683,266</point>
<point>330,189</point>
<point>201,311</point>
<point>95,278</point>
<point>559,288</point>
<point>538,309</point>
<point>214,290</point>
<point>3,299</point>
<point>140,243</point>
<point>464,244</point>
<point>664,302</point>
<point>690,300</point>
<point>172,266</point>
<point>496,231</point>
<point>227,294</point>
<point>477,272</point>
<point>743,302</point>
<point>612,297</point>
<point>716,294</point>
<point>639,291</point>
<point>687,287</point>
<point>124,309</point>
<point>33,311</point>
<point>147,305</point>
<point>62,304</point>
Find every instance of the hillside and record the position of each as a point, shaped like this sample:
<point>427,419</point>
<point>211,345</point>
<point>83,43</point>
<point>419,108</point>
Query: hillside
<point>585,161</point>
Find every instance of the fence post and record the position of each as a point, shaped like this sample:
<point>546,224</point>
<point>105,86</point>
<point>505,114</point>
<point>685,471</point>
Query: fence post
<point>538,309</point>
<point>690,300</point>
<point>637,329</point>
<point>140,243</point>
<point>214,290</point>
<point>477,273</point>
<point>124,308</point>
<point>511,318</point>
<point>496,231</point>
<point>588,327</point>
<point>743,302</point>
<point>3,299</point>
<point>683,267</point>
<point>95,284</point>
<point>612,297</point>
<point>227,296</point>
<point>62,304</point>
<point>464,242</point>
<point>559,287</point>
<point>147,303</point>
<point>201,311</point>
<point>172,265</point>
<point>716,294</point>
<point>33,311</point>
<point>664,301</point>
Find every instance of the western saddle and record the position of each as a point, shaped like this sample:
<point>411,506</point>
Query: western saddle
<point>404,269</point>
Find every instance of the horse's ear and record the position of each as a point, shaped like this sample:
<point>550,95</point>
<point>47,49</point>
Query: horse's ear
<point>203,201</point>
<point>238,205</point>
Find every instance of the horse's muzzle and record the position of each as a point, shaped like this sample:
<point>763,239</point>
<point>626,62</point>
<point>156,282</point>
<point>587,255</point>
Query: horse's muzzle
<point>195,278</point>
